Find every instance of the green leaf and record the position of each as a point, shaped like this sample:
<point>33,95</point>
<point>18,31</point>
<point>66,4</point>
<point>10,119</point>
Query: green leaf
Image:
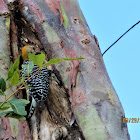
<point>18,106</point>
<point>12,115</point>
<point>21,81</point>
<point>65,18</point>
<point>14,79</point>
<point>13,68</point>
<point>24,101</point>
<point>4,108</point>
<point>2,84</point>
<point>28,67</point>
<point>4,114</point>
<point>58,60</point>
<point>69,59</point>
<point>16,116</point>
<point>37,59</point>
<point>5,104</point>
<point>16,63</point>
<point>10,71</point>
<point>53,61</point>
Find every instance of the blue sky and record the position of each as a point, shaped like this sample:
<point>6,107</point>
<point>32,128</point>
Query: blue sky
<point>108,20</point>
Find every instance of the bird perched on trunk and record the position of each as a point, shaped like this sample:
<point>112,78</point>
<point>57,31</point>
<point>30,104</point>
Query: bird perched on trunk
<point>38,84</point>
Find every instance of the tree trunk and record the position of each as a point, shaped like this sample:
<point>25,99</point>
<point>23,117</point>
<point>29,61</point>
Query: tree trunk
<point>79,90</point>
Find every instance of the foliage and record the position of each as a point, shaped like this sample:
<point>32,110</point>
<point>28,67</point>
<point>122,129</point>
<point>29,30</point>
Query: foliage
<point>37,59</point>
<point>15,108</point>
<point>2,86</point>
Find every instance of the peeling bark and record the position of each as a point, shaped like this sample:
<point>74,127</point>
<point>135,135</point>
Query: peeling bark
<point>80,89</point>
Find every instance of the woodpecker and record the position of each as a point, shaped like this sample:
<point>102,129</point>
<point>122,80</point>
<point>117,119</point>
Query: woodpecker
<point>38,86</point>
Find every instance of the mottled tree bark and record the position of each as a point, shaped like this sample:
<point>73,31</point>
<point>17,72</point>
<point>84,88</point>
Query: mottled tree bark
<point>79,90</point>
<point>9,128</point>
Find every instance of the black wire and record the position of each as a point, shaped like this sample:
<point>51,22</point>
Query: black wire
<point>120,37</point>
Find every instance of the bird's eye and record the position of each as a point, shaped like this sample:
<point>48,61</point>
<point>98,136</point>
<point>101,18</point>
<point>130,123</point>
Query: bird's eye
<point>34,48</point>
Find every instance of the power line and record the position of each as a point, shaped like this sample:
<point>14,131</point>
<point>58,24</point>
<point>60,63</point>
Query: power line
<point>120,37</point>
